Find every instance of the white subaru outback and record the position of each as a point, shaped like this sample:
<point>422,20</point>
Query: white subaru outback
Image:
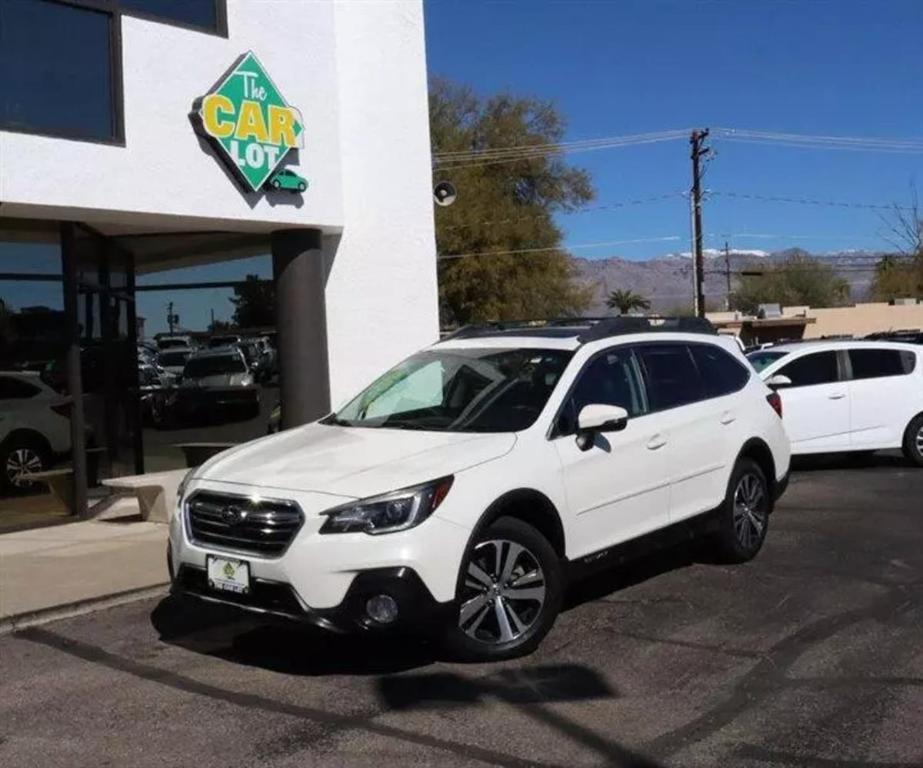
<point>465,487</point>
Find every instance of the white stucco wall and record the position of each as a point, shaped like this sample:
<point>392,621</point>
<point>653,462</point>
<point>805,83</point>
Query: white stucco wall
<point>357,71</point>
<point>381,291</point>
<point>163,170</point>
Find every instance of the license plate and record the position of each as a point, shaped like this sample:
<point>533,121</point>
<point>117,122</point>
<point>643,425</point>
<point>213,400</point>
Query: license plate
<point>228,575</point>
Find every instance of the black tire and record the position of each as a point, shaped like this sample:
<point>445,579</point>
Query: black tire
<point>527,619</point>
<point>302,186</point>
<point>913,440</point>
<point>743,517</point>
<point>22,450</point>
<point>276,185</point>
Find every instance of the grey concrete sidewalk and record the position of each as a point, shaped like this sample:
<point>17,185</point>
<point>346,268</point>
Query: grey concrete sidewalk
<point>64,565</point>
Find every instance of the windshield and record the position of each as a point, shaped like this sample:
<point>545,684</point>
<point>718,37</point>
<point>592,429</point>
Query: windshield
<point>764,358</point>
<point>198,367</point>
<point>460,390</point>
<point>167,343</point>
<point>173,358</point>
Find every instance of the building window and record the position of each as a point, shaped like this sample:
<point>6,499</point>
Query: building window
<point>60,61</point>
<point>207,15</point>
<point>56,65</point>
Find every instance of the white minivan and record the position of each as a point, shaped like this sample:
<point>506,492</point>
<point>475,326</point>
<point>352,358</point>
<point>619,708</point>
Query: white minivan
<point>848,395</point>
<point>464,487</point>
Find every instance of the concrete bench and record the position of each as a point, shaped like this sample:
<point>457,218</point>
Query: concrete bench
<point>197,454</point>
<point>156,492</point>
<point>60,483</point>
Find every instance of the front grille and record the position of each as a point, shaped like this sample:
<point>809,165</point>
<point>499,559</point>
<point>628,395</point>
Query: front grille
<point>262,527</point>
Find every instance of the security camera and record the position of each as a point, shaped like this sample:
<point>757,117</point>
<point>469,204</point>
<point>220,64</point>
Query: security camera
<point>444,193</point>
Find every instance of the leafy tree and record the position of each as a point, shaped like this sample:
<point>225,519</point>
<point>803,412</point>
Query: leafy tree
<point>626,301</point>
<point>799,279</point>
<point>897,278</point>
<point>503,207</point>
<point>254,303</point>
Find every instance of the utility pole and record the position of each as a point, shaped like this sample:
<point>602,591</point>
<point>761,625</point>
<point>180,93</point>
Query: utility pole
<point>697,141</point>
<point>170,317</point>
<point>727,274</point>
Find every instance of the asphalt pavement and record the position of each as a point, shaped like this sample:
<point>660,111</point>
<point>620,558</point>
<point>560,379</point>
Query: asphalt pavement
<point>811,655</point>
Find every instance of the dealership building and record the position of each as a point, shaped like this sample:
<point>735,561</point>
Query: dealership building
<point>141,138</point>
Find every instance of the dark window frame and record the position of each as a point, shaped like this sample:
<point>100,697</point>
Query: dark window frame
<point>116,79</point>
<point>747,370</point>
<point>701,396</point>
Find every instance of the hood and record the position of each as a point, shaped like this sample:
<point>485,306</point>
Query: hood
<point>353,461</point>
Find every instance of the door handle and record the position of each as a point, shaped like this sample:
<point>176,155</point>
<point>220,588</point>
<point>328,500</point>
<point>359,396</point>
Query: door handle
<point>728,418</point>
<point>657,441</point>
<point>837,396</point>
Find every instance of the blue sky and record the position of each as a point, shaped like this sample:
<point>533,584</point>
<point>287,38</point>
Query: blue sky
<point>841,67</point>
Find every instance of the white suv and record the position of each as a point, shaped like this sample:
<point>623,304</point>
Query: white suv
<point>464,487</point>
<point>848,395</point>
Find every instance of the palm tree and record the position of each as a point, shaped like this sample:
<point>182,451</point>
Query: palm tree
<point>626,301</point>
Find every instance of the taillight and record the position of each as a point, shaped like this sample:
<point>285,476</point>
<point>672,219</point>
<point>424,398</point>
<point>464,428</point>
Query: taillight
<point>62,409</point>
<point>775,401</point>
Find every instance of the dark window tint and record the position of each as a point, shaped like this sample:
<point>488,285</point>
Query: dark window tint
<point>197,367</point>
<point>763,359</point>
<point>875,363</point>
<point>16,389</point>
<point>612,378</point>
<point>671,375</point>
<point>721,374</point>
<point>818,368</point>
<point>55,66</point>
<point>195,13</point>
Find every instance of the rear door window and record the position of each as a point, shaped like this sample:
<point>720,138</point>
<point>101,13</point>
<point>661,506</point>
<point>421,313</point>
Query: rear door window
<point>721,373</point>
<point>671,375</point>
<point>813,369</point>
<point>878,363</point>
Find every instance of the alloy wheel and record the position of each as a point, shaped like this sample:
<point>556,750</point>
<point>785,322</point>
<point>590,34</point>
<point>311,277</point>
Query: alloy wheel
<point>920,442</point>
<point>20,463</point>
<point>749,510</point>
<point>503,594</point>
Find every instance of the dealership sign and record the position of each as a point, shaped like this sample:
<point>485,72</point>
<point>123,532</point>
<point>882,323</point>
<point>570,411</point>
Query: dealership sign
<point>252,126</point>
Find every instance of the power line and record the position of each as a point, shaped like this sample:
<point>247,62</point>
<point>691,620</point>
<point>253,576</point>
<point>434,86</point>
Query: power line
<point>809,141</point>
<point>582,209</point>
<point>563,247</point>
<point>806,201</point>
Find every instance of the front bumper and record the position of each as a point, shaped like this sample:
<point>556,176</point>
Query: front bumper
<point>418,610</point>
<point>326,579</point>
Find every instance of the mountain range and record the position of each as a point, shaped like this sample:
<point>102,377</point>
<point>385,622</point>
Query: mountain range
<point>667,280</point>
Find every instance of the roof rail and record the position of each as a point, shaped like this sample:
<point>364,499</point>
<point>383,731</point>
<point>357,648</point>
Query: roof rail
<point>617,326</point>
<point>479,329</point>
<point>592,328</point>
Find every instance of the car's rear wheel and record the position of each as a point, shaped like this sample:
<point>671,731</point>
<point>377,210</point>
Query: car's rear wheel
<point>913,441</point>
<point>276,185</point>
<point>509,594</point>
<point>743,518</point>
<point>302,186</point>
<point>20,457</point>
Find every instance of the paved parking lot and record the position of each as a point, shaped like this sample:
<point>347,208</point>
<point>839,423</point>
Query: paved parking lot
<point>812,655</point>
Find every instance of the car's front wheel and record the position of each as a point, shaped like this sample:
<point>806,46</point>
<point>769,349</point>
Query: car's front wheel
<point>509,593</point>
<point>913,441</point>
<point>743,518</point>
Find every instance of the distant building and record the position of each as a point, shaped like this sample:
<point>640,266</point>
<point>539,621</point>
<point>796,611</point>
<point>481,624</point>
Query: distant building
<point>809,323</point>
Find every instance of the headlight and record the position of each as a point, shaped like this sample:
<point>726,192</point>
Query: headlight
<point>390,512</point>
<point>181,488</point>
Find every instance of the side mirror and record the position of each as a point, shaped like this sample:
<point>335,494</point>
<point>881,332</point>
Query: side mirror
<point>778,381</point>
<point>597,417</point>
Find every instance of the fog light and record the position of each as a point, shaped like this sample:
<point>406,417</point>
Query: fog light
<point>381,609</point>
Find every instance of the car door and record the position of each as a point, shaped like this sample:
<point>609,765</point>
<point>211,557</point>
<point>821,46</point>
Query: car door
<point>618,488</point>
<point>696,452</point>
<point>882,399</point>
<point>816,404</point>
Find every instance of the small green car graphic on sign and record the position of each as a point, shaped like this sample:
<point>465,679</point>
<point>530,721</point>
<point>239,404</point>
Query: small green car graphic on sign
<point>286,179</point>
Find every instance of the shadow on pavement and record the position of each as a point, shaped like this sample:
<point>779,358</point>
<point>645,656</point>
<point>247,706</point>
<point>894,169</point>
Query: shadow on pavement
<point>282,647</point>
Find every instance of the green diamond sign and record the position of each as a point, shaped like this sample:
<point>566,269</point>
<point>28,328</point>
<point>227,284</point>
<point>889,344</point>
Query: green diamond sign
<point>252,126</point>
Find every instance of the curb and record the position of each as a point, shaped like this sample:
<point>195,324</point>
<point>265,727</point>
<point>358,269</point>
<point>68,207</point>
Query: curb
<point>19,621</point>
